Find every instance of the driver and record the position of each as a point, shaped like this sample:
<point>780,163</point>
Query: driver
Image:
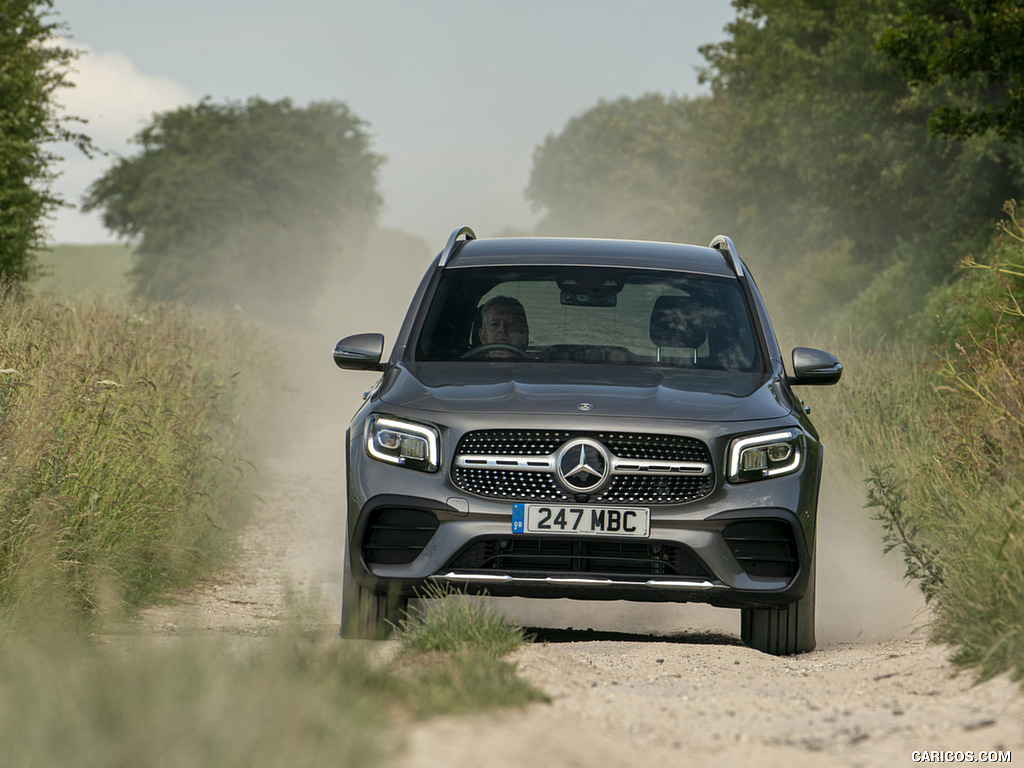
<point>503,321</point>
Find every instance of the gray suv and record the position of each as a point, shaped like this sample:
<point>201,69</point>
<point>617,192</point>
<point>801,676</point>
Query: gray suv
<point>589,419</point>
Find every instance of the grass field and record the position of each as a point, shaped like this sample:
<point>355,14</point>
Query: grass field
<point>84,271</point>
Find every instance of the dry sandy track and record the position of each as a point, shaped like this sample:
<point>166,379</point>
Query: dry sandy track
<point>631,703</point>
<point>631,695</point>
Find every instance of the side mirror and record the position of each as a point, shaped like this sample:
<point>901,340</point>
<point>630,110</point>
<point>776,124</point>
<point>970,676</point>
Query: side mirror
<point>360,352</point>
<point>812,366</point>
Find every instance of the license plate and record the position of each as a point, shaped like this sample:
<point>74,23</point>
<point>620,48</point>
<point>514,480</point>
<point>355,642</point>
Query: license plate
<point>555,518</point>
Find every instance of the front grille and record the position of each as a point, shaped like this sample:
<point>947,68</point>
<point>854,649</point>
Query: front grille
<point>763,548</point>
<point>395,535</point>
<point>528,484</point>
<point>568,556</point>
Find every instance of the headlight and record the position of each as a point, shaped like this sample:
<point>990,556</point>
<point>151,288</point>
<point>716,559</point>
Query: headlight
<point>402,442</point>
<point>768,455</point>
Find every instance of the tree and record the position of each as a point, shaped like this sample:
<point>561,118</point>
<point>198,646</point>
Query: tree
<point>33,69</point>
<point>975,50</point>
<point>623,168</point>
<point>827,145</point>
<point>241,204</point>
<point>811,151</point>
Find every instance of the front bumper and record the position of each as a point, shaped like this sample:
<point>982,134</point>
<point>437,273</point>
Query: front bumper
<point>765,564</point>
<point>742,545</point>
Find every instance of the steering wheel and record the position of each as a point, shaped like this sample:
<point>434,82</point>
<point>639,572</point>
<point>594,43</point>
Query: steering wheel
<point>484,348</point>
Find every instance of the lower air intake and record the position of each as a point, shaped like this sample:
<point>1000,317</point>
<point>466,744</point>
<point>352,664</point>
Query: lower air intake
<point>396,535</point>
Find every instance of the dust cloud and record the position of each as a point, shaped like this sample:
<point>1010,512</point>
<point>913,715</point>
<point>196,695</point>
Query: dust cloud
<point>861,594</point>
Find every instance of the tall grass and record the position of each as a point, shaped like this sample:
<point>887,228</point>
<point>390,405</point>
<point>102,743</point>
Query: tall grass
<point>198,702</point>
<point>121,449</point>
<point>464,626</point>
<point>939,437</point>
<point>979,489</point>
<point>293,699</point>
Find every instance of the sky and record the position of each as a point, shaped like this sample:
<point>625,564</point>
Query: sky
<point>456,94</point>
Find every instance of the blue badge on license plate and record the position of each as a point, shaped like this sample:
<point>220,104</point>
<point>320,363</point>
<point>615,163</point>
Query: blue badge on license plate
<point>518,518</point>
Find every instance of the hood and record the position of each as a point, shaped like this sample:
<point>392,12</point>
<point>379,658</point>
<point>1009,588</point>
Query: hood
<point>530,388</point>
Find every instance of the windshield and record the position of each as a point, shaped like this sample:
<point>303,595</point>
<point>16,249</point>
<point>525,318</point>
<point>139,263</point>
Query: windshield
<point>589,315</point>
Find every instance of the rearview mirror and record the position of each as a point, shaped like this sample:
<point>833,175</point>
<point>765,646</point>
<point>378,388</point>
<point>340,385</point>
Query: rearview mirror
<point>360,352</point>
<point>812,366</point>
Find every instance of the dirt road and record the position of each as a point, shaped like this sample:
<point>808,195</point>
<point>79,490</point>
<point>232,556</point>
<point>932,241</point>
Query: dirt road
<point>638,702</point>
<point>666,685</point>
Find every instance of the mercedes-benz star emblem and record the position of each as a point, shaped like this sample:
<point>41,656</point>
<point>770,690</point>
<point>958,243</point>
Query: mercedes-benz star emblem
<point>583,465</point>
<point>584,406</point>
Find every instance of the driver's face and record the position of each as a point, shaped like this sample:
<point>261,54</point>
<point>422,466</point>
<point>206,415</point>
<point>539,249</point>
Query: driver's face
<point>501,326</point>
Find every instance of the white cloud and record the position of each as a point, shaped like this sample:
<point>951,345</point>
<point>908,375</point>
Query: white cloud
<point>116,100</point>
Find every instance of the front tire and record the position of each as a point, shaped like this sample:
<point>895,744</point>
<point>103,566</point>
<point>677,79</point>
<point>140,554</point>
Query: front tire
<point>365,615</point>
<point>782,631</point>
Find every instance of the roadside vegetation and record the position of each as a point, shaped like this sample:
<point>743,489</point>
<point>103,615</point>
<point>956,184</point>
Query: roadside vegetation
<point>123,450</point>
<point>127,434</point>
<point>938,434</point>
<point>293,699</point>
<point>84,272</point>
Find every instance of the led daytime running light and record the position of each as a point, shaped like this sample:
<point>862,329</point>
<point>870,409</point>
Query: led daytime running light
<point>401,442</point>
<point>763,454</point>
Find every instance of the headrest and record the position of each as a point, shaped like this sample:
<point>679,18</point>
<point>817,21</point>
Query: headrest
<point>678,321</point>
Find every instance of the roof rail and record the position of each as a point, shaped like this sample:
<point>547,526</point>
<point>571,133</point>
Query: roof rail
<point>725,245</point>
<point>465,233</point>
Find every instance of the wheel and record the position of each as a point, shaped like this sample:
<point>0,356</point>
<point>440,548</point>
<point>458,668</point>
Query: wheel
<point>365,615</point>
<point>782,631</point>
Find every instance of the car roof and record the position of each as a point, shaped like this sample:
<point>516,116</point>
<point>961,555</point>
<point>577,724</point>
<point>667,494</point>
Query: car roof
<point>543,251</point>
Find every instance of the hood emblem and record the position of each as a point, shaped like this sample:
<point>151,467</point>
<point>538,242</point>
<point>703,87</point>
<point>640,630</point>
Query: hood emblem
<point>583,465</point>
<point>585,407</point>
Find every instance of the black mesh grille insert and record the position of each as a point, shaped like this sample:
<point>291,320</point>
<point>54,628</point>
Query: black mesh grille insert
<point>529,485</point>
<point>397,535</point>
<point>503,484</point>
<point>648,489</point>
<point>512,442</point>
<point>763,547</point>
<point>662,447</point>
<point>567,556</point>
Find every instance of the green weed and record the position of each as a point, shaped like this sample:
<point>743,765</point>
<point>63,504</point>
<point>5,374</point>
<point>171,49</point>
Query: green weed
<point>453,623</point>
<point>454,644</point>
